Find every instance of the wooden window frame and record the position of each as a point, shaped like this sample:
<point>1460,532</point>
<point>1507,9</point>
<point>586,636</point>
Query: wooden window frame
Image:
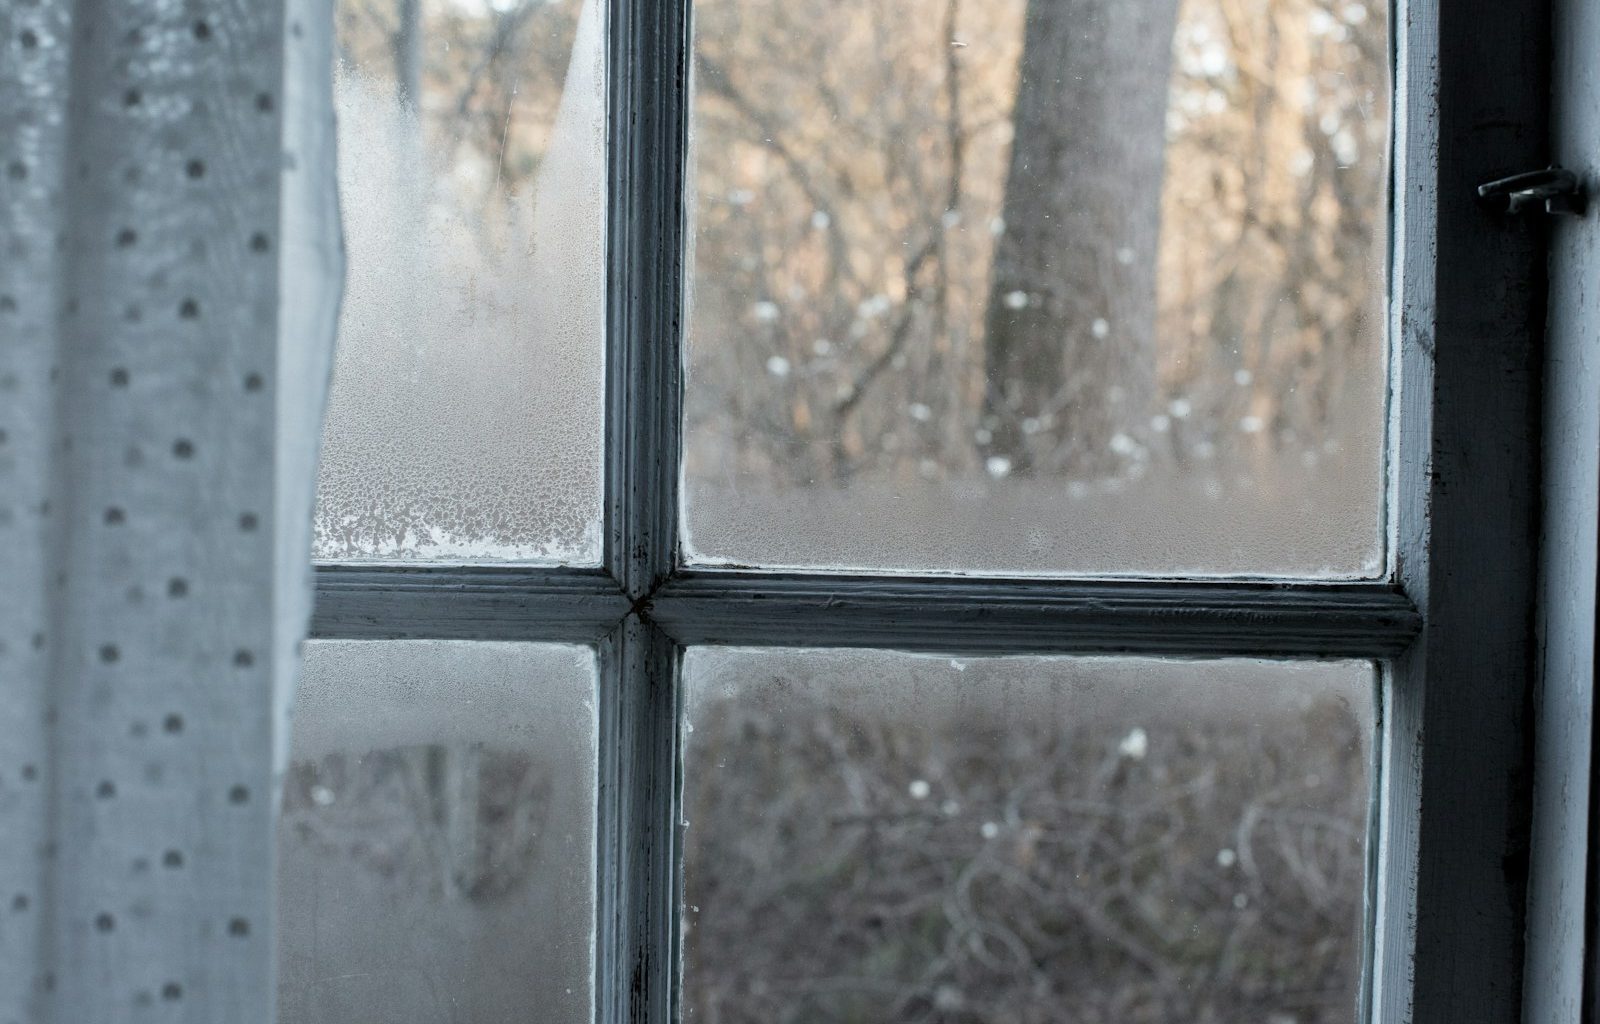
<point>1451,624</point>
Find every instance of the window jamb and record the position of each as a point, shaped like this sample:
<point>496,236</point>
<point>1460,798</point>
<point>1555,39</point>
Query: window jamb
<point>1467,301</point>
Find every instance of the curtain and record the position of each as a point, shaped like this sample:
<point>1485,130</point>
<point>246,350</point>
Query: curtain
<point>170,269</point>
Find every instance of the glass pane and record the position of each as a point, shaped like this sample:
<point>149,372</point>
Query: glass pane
<point>465,420</point>
<point>884,837</point>
<point>1039,286</point>
<point>436,849</point>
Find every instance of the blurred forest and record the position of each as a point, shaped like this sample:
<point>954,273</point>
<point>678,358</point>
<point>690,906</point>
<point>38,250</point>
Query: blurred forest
<point>436,843</point>
<point>1018,285</point>
<point>465,417</point>
<point>1039,285</point>
<point>868,838</point>
<point>929,241</point>
<point>874,837</point>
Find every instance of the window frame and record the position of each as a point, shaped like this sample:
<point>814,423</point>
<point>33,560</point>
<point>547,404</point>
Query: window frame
<point>1452,623</point>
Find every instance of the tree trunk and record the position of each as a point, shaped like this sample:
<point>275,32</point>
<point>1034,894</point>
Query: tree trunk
<point>1071,315</point>
<point>407,42</point>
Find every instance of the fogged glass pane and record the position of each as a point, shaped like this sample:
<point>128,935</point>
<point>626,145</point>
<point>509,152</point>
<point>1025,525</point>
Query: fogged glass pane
<point>890,838</point>
<point>436,849</point>
<point>1039,286</point>
<point>465,420</point>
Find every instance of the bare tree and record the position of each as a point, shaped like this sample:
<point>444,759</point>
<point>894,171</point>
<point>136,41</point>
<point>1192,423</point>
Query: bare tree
<point>407,43</point>
<point>1071,318</point>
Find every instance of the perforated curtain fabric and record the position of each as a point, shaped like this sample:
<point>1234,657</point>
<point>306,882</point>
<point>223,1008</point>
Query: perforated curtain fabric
<point>170,268</point>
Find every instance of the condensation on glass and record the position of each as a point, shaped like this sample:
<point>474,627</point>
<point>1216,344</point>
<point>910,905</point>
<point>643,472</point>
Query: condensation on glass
<point>1074,287</point>
<point>465,419</point>
<point>873,836</point>
<point>436,844</point>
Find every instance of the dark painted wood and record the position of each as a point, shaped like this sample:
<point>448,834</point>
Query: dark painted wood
<point>959,614</point>
<point>637,927</point>
<point>648,54</point>
<point>1590,1012</point>
<point>486,602</point>
<point>636,958</point>
<point>1469,310</point>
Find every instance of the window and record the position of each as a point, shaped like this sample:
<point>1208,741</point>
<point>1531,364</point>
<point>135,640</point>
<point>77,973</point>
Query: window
<point>582,516</point>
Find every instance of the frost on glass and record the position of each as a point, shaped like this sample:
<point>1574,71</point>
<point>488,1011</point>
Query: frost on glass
<point>465,419</point>
<point>436,844</point>
<point>1039,286</point>
<point>882,837</point>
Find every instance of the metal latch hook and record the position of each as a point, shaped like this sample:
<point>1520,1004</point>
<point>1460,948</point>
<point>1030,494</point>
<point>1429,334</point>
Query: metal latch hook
<point>1556,188</point>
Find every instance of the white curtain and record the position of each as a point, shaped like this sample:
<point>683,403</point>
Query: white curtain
<point>170,268</point>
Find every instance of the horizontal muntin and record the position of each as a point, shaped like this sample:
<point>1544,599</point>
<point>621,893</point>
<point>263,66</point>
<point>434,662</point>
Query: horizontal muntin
<point>996,616</point>
<point>465,602</point>
<point>928,613</point>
